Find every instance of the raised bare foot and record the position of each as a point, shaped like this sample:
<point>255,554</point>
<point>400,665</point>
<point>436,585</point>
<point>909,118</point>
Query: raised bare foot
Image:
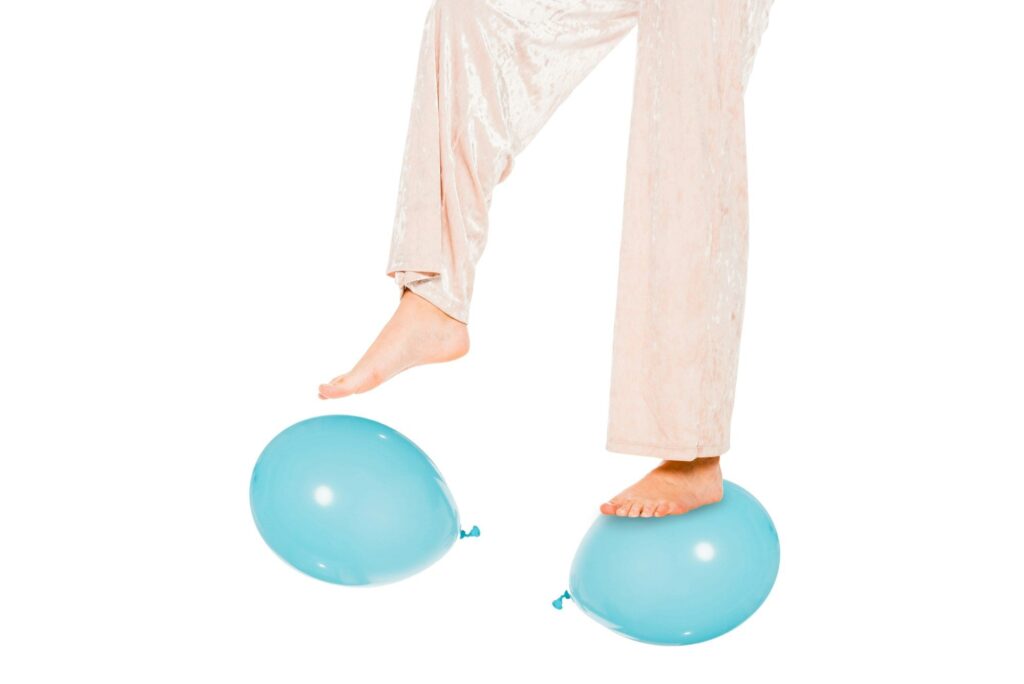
<point>674,487</point>
<point>418,333</point>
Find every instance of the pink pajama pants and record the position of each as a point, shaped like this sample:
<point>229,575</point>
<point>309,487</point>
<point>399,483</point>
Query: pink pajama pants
<point>491,73</point>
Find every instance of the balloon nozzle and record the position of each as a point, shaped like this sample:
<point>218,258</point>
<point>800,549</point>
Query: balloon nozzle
<point>557,603</point>
<point>475,532</point>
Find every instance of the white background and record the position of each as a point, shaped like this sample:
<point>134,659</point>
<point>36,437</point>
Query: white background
<point>196,202</point>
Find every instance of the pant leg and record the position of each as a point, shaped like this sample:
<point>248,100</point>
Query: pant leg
<point>490,74</point>
<point>683,260</point>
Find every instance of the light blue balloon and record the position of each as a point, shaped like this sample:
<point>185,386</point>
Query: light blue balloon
<point>680,579</point>
<point>352,501</point>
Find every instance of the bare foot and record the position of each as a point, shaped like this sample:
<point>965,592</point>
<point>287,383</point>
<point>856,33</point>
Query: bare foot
<point>418,333</point>
<point>673,488</point>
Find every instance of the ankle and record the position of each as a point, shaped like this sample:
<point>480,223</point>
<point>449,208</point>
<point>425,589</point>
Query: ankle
<point>424,306</point>
<point>703,464</point>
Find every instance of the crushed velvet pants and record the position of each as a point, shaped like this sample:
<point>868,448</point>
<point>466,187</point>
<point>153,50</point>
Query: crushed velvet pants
<point>491,73</point>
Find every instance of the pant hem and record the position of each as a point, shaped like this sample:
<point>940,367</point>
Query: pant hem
<point>427,285</point>
<point>666,452</point>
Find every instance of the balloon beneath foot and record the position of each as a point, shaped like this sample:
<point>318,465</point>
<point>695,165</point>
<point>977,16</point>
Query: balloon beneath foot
<point>680,579</point>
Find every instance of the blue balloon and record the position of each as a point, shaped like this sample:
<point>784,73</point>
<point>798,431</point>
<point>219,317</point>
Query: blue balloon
<point>352,501</point>
<point>680,579</point>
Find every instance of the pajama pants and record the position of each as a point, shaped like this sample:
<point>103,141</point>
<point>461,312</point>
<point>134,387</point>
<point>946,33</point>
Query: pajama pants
<point>491,73</point>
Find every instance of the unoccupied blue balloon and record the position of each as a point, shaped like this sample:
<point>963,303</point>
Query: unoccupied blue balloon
<point>680,579</point>
<point>351,501</point>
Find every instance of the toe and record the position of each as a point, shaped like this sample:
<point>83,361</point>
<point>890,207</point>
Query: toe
<point>634,509</point>
<point>647,509</point>
<point>334,389</point>
<point>673,508</point>
<point>661,510</point>
<point>344,385</point>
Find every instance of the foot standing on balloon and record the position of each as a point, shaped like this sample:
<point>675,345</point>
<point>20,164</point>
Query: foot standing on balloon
<point>490,74</point>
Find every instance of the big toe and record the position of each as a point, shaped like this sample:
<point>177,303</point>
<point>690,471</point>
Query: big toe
<point>341,386</point>
<point>672,508</point>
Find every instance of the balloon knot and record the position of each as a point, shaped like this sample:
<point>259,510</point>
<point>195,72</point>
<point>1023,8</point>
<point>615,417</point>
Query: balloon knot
<point>475,532</point>
<point>557,603</point>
